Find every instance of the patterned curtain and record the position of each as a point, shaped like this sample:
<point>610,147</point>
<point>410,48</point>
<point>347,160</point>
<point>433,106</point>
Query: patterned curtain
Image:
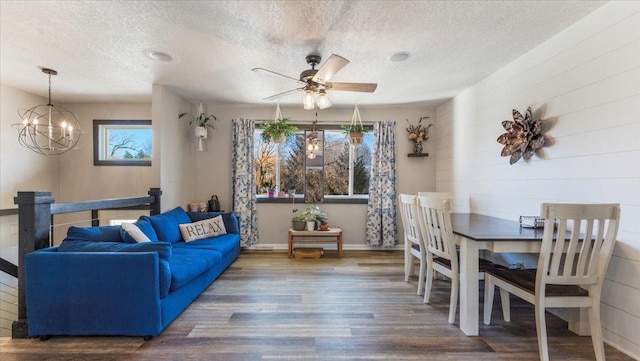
<point>244,183</point>
<point>381,210</point>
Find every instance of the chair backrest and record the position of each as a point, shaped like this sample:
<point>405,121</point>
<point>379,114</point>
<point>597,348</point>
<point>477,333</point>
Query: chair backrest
<point>408,213</point>
<point>435,223</point>
<point>436,195</point>
<point>580,257</point>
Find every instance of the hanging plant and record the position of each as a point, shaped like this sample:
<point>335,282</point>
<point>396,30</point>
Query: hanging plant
<point>278,130</point>
<point>522,138</point>
<point>203,119</point>
<point>355,129</point>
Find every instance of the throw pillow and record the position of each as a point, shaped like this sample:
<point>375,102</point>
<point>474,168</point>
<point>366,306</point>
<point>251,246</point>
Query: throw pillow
<point>95,234</point>
<point>206,228</point>
<point>166,224</point>
<point>135,232</point>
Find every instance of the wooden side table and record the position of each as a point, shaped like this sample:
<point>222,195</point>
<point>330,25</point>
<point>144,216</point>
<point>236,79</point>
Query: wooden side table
<point>330,236</point>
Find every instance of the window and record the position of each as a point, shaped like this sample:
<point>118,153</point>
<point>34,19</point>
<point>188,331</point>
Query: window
<point>330,171</point>
<point>122,142</point>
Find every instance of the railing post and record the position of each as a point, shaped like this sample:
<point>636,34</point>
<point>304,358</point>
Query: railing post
<point>34,222</point>
<point>154,208</point>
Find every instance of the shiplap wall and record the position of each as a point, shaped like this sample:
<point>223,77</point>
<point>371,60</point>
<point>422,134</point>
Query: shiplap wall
<point>585,83</point>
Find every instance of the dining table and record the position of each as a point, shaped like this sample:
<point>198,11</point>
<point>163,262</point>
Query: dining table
<point>477,232</point>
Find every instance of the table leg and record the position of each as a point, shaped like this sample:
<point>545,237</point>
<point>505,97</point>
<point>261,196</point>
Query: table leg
<point>469,292</point>
<point>340,244</point>
<point>290,245</point>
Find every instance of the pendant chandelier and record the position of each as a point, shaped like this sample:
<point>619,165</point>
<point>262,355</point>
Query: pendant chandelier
<point>48,129</point>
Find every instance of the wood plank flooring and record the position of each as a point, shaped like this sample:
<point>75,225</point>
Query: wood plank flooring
<point>269,307</point>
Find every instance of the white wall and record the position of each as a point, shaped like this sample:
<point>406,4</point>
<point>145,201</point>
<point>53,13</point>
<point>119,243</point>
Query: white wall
<point>214,167</point>
<point>585,83</point>
<point>20,170</point>
<point>175,152</point>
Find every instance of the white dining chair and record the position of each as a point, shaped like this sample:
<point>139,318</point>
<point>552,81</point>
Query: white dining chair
<point>435,225</point>
<point>577,244</point>
<point>413,243</point>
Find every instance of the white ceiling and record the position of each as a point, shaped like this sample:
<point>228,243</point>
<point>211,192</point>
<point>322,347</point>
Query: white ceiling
<point>98,47</point>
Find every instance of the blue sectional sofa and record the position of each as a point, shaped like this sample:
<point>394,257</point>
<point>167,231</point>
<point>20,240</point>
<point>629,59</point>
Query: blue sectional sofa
<point>100,281</point>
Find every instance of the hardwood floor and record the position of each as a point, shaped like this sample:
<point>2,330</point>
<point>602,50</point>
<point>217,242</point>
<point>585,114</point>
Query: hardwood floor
<point>269,307</point>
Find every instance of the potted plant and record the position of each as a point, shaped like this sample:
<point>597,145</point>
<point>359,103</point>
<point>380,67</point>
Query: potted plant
<point>310,214</point>
<point>323,220</point>
<point>202,121</point>
<point>355,132</point>
<point>298,222</point>
<point>269,187</point>
<point>277,131</point>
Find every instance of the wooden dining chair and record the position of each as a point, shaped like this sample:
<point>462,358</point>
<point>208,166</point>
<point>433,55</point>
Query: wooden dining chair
<point>570,269</point>
<point>435,226</point>
<point>413,243</point>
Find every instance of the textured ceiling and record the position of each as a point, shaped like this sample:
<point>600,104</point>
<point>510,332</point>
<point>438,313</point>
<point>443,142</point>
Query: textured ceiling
<point>98,47</point>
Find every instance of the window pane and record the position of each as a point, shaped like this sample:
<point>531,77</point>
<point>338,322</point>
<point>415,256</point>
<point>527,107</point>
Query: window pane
<point>362,165</point>
<point>122,142</point>
<point>336,164</point>
<point>292,163</point>
<point>128,143</point>
<point>265,163</point>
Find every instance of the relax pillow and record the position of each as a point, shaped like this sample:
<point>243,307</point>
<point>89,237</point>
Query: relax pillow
<point>95,234</point>
<point>131,230</point>
<point>229,218</point>
<point>144,226</point>
<point>205,228</point>
<point>166,224</point>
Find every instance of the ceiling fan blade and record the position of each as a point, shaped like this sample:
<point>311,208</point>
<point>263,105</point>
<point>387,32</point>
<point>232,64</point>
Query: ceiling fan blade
<point>353,87</point>
<point>283,94</point>
<point>260,70</point>
<point>330,67</point>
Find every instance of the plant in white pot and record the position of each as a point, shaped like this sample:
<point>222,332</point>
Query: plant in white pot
<point>202,122</point>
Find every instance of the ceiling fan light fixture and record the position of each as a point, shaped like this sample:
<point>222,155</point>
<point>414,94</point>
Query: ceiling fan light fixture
<point>308,99</point>
<point>323,99</point>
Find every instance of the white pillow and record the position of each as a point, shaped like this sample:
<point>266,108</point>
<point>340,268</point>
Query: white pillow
<point>205,228</point>
<point>135,232</point>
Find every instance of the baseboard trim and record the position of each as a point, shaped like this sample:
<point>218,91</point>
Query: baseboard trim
<point>345,247</point>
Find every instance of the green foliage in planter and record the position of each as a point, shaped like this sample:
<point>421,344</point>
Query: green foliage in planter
<point>354,128</point>
<point>203,120</point>
<point>273,130</point>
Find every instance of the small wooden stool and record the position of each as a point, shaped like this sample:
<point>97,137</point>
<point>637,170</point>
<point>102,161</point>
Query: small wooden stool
<point>308,252</point>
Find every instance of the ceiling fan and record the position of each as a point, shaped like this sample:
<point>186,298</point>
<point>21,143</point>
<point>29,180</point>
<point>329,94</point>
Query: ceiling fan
<point>317,81</point>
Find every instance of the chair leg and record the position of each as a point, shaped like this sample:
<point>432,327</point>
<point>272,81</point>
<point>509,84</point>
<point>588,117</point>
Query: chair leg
<point>541,329</point>
<point>407,261</point>
<point>429,283</point>
<point>506,306</point>
<point>596,331</point>
<point>423,269</point>
<point>455,287</point>
<point>489,290</point>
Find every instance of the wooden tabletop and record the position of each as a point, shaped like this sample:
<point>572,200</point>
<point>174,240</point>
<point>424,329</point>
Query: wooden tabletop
<point>486,228</point>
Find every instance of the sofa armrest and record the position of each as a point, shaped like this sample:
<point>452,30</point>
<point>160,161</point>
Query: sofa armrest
<point>88,293</point>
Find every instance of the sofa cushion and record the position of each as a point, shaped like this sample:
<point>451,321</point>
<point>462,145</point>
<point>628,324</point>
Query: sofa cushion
<point>229,218</point>
<point>205,228</point>
<point>166,224</point>
<point>95,234</point>
<point>223,244</point>
<point>145,227</point>
<point>162,248</point>
<point>131,230</point>
<point>187,264</point>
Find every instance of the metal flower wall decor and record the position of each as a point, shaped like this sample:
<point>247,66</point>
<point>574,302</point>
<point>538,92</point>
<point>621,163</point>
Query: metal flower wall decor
<point>522,138</point>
